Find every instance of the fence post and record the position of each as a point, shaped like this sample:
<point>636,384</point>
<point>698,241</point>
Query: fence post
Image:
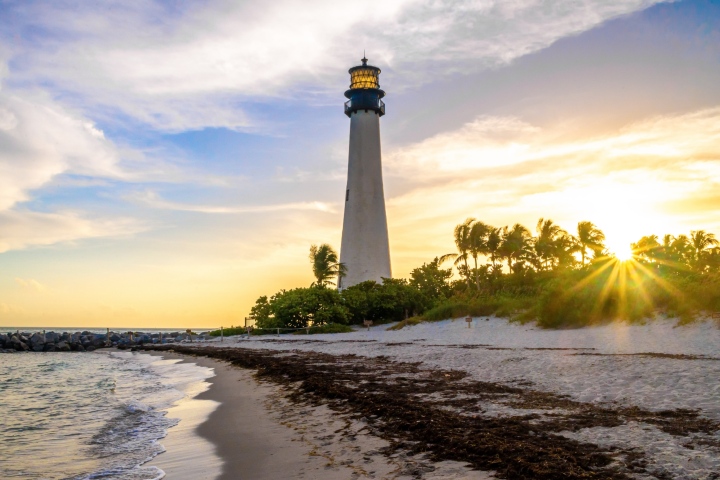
<point>221,334</point>
<point>278,332</point>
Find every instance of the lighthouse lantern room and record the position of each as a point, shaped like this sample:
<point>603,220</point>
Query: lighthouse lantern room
<point>364,92</point>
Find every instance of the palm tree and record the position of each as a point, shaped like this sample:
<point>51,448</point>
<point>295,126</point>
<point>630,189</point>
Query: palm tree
<point>478,245</point>
<point>516,244</point>
<point>681,250</point>
<point>325,264</point>
<point>649,248</point>
<point>589,237</point>
<point>462,242</point>
<point>549,242</point>
<point>494,242</point>
<point>565,248</point>
<point>700,241</point>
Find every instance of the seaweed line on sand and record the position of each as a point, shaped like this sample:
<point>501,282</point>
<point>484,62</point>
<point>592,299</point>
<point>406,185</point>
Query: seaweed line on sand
<point>439,413</point>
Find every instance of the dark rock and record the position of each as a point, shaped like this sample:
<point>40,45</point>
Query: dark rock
<point>90,349</point>
<point>50,347</point>
<point>18,344</point>
<point>63,346</point>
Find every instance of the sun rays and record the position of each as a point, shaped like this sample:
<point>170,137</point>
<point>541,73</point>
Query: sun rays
<point>625,289</point>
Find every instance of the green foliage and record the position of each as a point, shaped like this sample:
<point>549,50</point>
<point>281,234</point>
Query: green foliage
<point>407,322</point>
<point>390,301</point>
<point>432,283</point>
<point>558,279</point>
<point>501,304</point>
<point>325,264</point>
<point>329,328</point>
<point>300,308</point>
<point>228,331</point>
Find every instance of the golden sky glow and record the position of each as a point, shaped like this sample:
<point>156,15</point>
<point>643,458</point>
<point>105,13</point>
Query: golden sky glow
<point>165,175</point>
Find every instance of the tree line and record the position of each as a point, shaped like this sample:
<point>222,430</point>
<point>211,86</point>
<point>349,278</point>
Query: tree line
<point>555,277</point>
<point>550,249</point>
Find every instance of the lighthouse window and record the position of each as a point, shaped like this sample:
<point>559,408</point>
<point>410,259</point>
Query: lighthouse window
<point>364,78</point>
<point>347,194</point>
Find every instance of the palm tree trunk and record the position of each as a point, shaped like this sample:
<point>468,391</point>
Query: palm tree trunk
<point>467,272</point>
<point>477,280</point>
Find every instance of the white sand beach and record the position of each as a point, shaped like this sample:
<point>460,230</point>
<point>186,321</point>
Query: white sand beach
<point>656,366</point>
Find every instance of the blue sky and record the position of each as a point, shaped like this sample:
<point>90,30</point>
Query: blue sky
<point>165,163</point>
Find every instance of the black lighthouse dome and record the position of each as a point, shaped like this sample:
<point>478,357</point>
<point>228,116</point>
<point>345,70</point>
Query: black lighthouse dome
<point>364,93</point>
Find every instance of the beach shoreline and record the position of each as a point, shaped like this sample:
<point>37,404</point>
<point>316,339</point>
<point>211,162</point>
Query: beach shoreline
<point>638,397</point>
<point>247,441</point>
<point>257,433</point>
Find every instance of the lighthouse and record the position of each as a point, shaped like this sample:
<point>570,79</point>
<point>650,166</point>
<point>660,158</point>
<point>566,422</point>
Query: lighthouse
<point>364,250</point>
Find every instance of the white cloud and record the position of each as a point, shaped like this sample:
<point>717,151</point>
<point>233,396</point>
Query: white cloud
<point>23,229</point>
<point>152,199</point>
<point>188,68</point>
<point>44,144</point>
<point>40,140</point>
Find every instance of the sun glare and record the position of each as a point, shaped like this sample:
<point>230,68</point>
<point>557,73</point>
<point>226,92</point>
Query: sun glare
<point>622,252</point>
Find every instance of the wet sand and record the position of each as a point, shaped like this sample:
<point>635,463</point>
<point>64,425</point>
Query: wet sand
<point>243,433</point>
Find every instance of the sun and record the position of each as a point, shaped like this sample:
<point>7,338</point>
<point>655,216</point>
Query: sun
<point>622,252</point>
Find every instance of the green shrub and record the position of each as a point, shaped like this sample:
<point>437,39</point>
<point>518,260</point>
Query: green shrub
<point>499,304</point>
<point>228,331</point>
<point>407,322</point>
<point>390,301</point>
<point>300,308</point>
<point>329,328</point>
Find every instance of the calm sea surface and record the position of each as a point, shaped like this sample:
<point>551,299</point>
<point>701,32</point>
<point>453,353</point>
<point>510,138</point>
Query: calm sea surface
<point>96,330</point>
<point>88,415</point>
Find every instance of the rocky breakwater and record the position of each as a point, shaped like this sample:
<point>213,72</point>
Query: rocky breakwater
<point>86,341</point>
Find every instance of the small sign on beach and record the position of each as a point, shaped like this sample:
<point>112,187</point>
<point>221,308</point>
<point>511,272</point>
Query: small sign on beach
<point>468,319</point>
<point>368,323</point>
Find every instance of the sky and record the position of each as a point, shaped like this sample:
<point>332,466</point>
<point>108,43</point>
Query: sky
<point>165,163</point>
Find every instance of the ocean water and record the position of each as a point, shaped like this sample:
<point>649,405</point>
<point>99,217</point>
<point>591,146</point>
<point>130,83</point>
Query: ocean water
<point>12,329</point>
<point>95,415</point>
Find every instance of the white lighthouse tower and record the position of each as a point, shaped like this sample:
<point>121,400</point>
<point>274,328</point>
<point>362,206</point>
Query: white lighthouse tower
<point>364,250</point>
